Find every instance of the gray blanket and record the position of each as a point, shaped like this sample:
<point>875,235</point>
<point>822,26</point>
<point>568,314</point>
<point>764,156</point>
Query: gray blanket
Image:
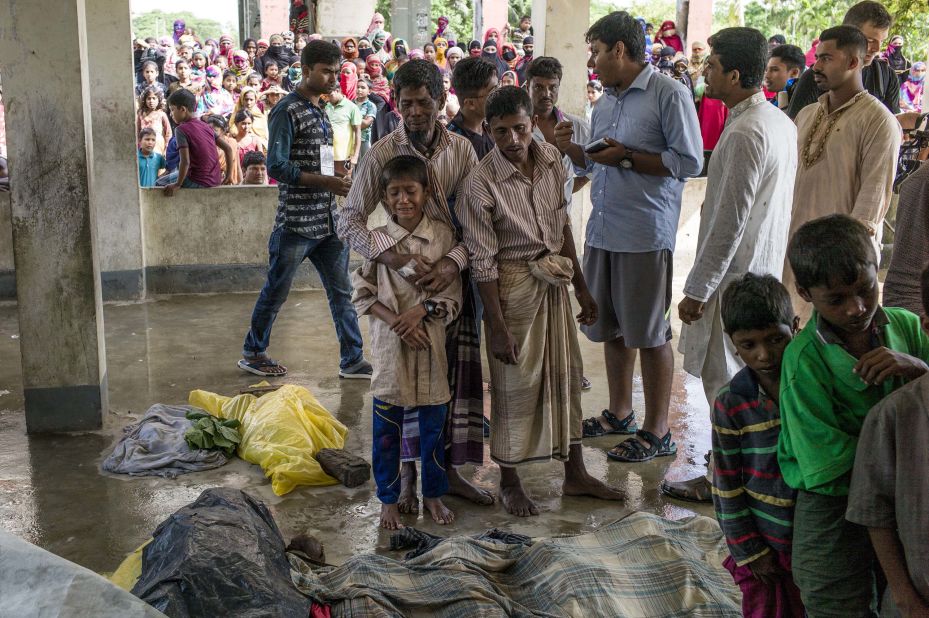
<point>155,446</point>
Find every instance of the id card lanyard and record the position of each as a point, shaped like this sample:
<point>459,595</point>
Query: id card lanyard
<point>326,153</point>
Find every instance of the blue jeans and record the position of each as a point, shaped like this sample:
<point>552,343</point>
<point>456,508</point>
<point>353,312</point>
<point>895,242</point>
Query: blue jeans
<point>385,450</point>
<point>329,255</point>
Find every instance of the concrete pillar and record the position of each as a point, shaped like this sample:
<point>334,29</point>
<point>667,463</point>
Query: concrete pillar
<point>490,14</point>
<point>57,273</point>
<point>410,20</point>
<point>249,20</point>
<point>559,27</point>
<point>274,17</point>
<point>115,165</point>
<point>699,21</point>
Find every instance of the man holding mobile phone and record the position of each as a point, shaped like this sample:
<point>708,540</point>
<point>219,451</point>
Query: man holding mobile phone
<point>650,125</point>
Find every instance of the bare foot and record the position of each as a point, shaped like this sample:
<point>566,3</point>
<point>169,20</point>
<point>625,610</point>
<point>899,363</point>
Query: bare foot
<point>441,514</point>
<point>458,486</point>
<point>408,502</point>
<point>390,517</point>
<point>516,501</point>
<point>582,484</point>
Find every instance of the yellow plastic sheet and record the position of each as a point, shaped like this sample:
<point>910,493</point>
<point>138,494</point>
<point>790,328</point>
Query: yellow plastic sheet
<point>282,432</point>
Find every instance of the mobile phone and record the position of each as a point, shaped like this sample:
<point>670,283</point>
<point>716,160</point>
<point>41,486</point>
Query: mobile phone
<point>597,146</point>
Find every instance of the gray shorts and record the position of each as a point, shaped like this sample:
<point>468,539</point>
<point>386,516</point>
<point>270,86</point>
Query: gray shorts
<point>633,294</point>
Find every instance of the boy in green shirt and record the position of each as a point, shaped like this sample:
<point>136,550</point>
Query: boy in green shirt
<point>851,354</point>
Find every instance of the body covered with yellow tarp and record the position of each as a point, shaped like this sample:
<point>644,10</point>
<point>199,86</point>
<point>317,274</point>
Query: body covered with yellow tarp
<point>282,431</point>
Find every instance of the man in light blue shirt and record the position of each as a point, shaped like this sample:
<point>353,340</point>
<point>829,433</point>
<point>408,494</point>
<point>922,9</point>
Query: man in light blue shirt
<point>654,144</point>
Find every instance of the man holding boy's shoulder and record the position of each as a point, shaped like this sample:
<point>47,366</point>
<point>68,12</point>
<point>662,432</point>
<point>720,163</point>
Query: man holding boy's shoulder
<point>514,218</point>
<point>890,487</point>
<point>419,94</point>
<point>851,354</point>
<point>754,506</point>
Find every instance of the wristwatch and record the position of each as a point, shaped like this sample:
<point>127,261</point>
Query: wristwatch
<point>626,162</point>
<point>432,307</point>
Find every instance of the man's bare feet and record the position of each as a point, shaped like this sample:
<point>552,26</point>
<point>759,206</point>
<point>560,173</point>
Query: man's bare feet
<point>586,485</point>
<point>390,517</point>
<point>514,497</point>
<point>459,486</point>
<point>441,514</point>
<point>408,502</point>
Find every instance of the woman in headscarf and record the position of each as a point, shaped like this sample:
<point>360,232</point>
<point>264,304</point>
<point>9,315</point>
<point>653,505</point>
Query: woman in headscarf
<point>379,45</point>
<point>248,100</point>
<point>509,56</point>
<point>225,47</point>
<point>399,50</point>
<point>509,78</point>
<point>490,54</point>
<point>895,58</point>
<point>375,70</point>
<point>349,48</point>
<point>348,80</point>
<point>179,28</point>
<point>698,58</point>
<point>376,25</point>
<point>911,91</point>
<point>250,47</point>
<point>441,48</point>
<point>474,48</point>
<point>443,31</point>
<point>415,54</point>
<point>668,36</point>
<point>214,99</point>
<point>240,67</point>
<point>454,55</point>
<point>364,48</point>
<point>491,33</point>
<point>811,53</point>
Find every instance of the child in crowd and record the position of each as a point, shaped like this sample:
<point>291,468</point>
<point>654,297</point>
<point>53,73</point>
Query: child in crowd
<point>151,116</point>
<point>368,111</point>
<point>293,77</point>
<point>253,81</point>
<point>248,100</point>
<point>890,487</point>
<point>150,162</point>
<point>246,138</point>
<point>754,506</point>
<point>345,118</point>
<point>221,129</point>
<point>851,354</point>
<point>407,327</point>
<point>272,76</point>
<point>231,85</point>
<point>182,69</point>
<point>196,143</point>
<point>269,98</point>
<point>215,99</point>
<point>254,169</point>
<point>149,78</point>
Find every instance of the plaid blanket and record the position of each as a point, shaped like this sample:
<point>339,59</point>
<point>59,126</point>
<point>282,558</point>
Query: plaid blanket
<point>642,565</point>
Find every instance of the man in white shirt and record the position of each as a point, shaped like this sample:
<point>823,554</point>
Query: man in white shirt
<point>745,217</point>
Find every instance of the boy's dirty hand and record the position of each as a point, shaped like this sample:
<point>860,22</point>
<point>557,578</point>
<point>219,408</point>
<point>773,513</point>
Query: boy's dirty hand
<point>880,364</point>
<point>766,569</point>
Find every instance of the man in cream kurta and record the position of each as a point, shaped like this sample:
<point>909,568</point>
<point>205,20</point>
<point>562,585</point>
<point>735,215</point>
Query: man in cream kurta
<point>745,216</point>
<point>849,169</point>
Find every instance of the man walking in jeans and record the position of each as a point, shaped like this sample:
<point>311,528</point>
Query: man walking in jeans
<point>300,158</point>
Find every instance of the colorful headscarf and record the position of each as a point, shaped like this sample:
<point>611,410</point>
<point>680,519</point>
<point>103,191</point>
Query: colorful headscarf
<point>373,27</point>
<point>375,70</point>
<point>474,48</point>
<point>350,55</point>
<point>491,33</point>
<point>399,47</point>
<point>348,82</point>
<point>179,28</point>
<point>507,49</point>
<point>416,54</point>
<point>294,73</point>
<point>513,75</point>
<point>240,72</point>
<point>673,40</point>
<point>441,47</point>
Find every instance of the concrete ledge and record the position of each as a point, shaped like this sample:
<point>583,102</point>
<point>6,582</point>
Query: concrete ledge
<point>123,285</point>
<point>220,278</point>
<point>64,408</point>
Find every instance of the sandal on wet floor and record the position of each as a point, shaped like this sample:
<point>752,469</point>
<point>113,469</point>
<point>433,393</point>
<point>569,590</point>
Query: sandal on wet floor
<point>593,429</point>
<point>262,366</point>
<point>694,490</point>
<point>633,451</point>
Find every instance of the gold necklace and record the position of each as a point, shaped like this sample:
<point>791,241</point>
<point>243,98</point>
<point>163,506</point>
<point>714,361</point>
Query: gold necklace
<point>809,160</point>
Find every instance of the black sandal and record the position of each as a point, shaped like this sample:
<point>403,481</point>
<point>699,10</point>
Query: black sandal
<point>593,429</point>
<point>633,451</point>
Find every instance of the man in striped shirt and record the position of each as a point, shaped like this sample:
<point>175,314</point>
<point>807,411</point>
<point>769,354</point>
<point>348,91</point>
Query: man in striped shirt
<point>514,218</point>
<point>419,94</point>
<point>754,506</point>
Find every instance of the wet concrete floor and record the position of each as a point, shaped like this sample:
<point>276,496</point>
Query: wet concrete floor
<point>52,493</point>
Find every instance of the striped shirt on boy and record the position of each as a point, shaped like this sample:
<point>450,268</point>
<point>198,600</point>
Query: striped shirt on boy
<point>754,506</point>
